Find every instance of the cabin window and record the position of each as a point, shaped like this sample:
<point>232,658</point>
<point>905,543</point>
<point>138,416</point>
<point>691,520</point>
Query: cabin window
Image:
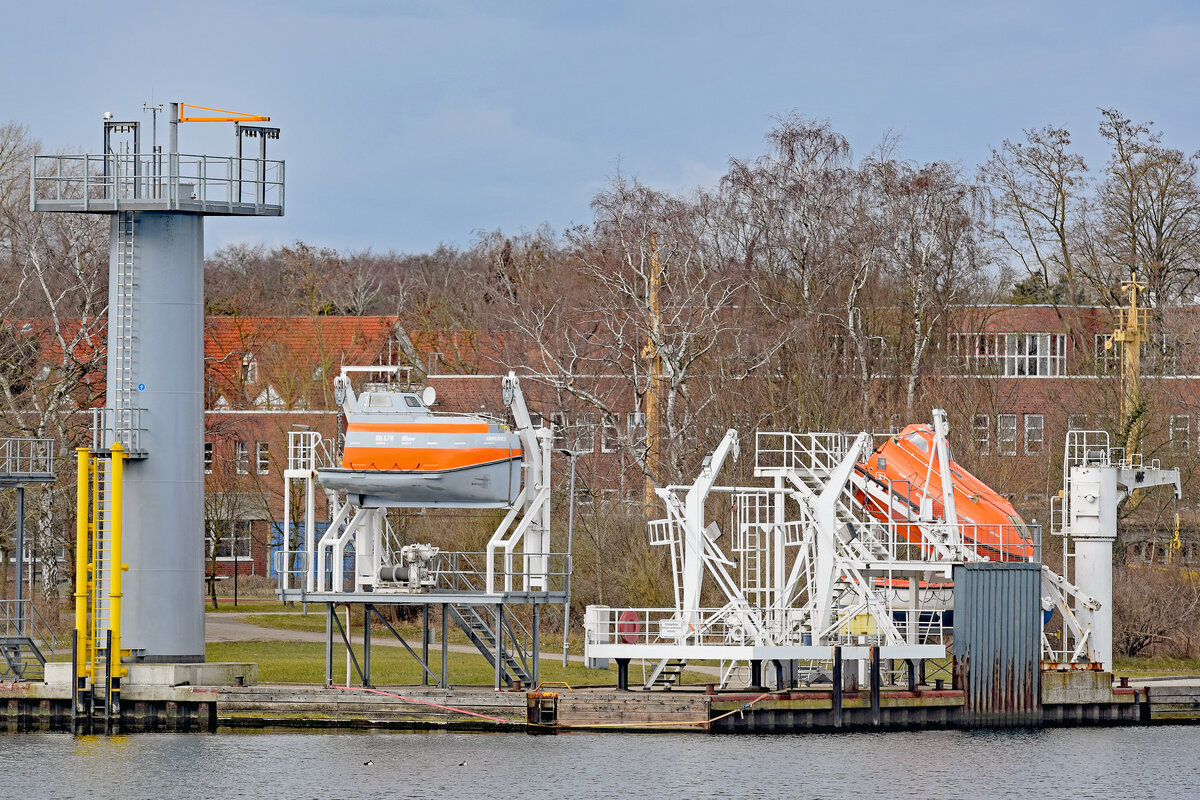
<point>412,402</point>
<point>919,441</point>
<point>1006,434</point>
<point>1034,434</point>
<point>379,401</point>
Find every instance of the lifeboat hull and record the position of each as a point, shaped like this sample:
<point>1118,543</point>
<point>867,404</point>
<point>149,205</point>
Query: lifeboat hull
<point>398,454</point>
<point>494,485</point>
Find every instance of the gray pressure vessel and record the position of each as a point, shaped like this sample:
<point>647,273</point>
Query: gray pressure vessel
<point>163,541</point>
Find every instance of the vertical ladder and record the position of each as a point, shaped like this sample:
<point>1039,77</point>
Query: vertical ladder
<point>98,578</point>
<point>120,317</point>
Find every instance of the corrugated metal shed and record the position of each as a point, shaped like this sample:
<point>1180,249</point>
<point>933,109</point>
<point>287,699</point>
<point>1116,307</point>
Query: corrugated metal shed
<point>997,643</point>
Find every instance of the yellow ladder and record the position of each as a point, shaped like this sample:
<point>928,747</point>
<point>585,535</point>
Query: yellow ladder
<point>98,573</point>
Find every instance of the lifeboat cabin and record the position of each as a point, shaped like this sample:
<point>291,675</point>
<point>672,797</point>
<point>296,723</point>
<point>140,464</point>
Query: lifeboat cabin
<point>399,453</point>
<point>907,466</point>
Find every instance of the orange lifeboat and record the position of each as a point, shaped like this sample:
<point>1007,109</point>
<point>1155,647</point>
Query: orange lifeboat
<point>906,469</point>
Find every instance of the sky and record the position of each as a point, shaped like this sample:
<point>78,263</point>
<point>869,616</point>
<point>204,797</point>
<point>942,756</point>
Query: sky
<point>406,125</point>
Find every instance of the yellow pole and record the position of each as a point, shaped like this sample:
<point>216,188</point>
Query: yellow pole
<point>116,567</point>
<point>1131,333</point>
<point>82,582</point>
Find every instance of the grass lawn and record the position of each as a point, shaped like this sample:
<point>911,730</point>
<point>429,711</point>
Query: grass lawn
<point>253,604</point>
<point>314,621</point>
<point>1151,666</point>
<point>304,662</point>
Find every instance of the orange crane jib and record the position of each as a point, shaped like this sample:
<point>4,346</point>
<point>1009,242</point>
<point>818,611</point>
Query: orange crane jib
<point>233,116</point>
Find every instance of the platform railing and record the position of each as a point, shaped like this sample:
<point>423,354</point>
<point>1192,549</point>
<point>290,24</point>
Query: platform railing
<point>308,451</point>
<point>27,457</point>
<point>124,425</point>
<point>173,180</point>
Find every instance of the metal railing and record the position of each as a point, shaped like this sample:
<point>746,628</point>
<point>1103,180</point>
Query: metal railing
<point>33,458</point>
<point>464,572</point>
<point>22,618</point>
<point>468,571</point>
<point>308,451</point>
<point>172,180</point>
<point>122,425</point>
<point>804,452</point>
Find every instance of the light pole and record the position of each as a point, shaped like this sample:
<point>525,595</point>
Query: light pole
<point>573,455</point>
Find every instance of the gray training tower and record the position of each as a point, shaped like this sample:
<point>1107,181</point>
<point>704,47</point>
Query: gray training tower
<point>155,380</point>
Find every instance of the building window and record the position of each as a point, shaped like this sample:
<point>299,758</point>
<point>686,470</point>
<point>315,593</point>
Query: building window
<point>249,369</point>
<point>228,539</point>
<point>635,424</point>
<point>262,457</point>
<point>609,436</point>
<point>241,458</point>
<point>1034,434</point>
<point>208,458</point>
<point>1107,358</point>
<point>981,433</point>
<point>1181,434</point>
<point>558,423</point>
<point>583,437</point>
<point>1006,434</point>
<point>1077,422</point>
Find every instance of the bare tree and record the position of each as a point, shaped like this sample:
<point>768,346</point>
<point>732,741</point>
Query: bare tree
<point>1038,189</point>
<point>931,237</point>
<point>53,319</point>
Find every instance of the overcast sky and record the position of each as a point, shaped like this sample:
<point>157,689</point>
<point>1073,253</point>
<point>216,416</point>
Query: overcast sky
<point>407,124</point>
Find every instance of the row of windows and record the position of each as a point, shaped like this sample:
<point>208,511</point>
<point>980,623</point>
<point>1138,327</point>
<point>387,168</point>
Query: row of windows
<point>241,457</point>
<point>1007,429</point>
<point>1014,354</point>
<point>1011,354</point>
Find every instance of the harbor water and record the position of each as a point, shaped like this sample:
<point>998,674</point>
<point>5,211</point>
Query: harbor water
<point>1137,762</point>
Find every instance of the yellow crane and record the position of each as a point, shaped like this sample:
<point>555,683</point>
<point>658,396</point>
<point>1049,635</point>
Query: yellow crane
<point>1133,327</point>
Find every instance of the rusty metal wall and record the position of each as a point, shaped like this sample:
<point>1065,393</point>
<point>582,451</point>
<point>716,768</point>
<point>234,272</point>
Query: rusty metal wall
<point>997,643</point>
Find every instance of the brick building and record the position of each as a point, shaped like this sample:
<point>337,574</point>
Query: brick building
<point>1013,378</point>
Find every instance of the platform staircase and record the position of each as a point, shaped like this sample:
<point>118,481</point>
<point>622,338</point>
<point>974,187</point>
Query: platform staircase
<point>667,674</point>
<point>478,622</point>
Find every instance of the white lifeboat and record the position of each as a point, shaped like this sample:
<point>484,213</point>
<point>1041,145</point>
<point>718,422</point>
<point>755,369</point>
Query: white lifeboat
<point>399,453</point>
